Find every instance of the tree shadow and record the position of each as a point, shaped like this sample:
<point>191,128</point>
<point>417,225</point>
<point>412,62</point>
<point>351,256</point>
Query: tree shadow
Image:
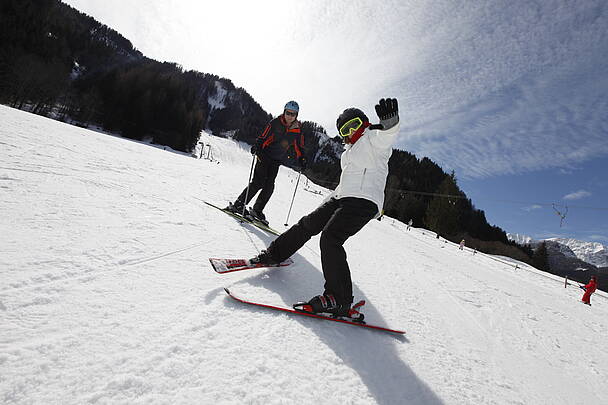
<point>388,378</point>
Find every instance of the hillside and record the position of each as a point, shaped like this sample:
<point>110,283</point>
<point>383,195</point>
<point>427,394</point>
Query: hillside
<point>107,295</point>
<point>573,258</point>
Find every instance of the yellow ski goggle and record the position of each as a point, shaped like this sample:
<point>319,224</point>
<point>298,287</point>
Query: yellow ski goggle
<point>350,127</point>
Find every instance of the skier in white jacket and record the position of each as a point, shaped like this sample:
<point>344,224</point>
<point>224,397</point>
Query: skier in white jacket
<point>358,198</point>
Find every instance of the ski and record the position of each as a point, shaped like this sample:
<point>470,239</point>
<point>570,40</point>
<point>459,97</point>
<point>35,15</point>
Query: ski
<point>241,218</point>
<point>229,265</point>
<point>312,315</point>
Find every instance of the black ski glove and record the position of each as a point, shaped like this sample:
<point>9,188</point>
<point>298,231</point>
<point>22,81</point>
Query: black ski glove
<point>388,112</point>
<point>254,148</point>
<point>303,162</point>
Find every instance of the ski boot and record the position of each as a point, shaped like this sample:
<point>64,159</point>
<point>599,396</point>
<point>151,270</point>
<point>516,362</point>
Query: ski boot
<point>264,258</point>
<point>327,304</point>
<point>236,208</point>
<point>258,216</point>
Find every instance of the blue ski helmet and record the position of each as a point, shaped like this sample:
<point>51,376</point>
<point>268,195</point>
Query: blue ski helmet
<point>292,105</point>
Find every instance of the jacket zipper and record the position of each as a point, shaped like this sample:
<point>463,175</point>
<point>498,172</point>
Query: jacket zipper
<point>362,178</point>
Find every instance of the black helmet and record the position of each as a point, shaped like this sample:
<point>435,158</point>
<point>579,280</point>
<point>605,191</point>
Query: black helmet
<point>348,115</point>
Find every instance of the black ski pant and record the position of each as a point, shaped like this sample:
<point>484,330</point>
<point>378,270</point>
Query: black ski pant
<point>337,220</point>
<point>265,173</point>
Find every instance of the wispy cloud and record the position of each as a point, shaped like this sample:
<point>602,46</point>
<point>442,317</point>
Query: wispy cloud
<point>503,104</point>
<point>568,170</point>
<point>599,238</point>
<point>532,207</point>
<point>577,195</point>
<point>548,235</point>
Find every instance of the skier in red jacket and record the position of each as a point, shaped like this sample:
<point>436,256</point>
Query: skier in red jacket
<point>589,289</point>
<point>281,143</point>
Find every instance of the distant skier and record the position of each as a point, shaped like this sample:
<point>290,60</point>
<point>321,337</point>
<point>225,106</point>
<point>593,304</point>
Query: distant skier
<point>409,224</point>
<point>357,199</point>
<point>589,289</point>
<point>461,247</point>
<point>281,142</point>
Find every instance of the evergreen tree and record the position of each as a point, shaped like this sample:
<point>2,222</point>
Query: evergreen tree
<point>539,258</point>
<point>443,212</point>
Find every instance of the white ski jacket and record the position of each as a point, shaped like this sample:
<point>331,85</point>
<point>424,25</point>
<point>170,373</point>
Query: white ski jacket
<point>365,166</point>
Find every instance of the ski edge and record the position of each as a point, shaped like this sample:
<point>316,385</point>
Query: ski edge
<point>293,311</point>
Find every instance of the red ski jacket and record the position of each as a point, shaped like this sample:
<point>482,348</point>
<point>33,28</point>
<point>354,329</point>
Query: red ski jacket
<point>590,287</point>
<point>281,143</point>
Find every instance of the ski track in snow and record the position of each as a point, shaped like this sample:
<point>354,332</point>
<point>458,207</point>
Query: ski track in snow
<point>107,295</point>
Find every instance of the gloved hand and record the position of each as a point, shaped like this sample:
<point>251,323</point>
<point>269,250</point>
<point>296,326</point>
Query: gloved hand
<point>388,112</point>
<point>302,162</point>
<point>254,148</point>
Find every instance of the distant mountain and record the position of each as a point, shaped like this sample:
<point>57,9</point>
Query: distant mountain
<point>571,258</point>
<point>521,239</point>
<point>592,253</point>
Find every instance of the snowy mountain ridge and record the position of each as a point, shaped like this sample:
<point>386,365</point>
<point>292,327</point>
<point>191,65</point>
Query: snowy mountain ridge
<point>521,239</point>
<point>590,252</point>
<point>107,295</point>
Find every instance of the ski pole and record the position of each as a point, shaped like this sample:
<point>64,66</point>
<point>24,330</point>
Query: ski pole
<point>248,183</point>
<point>294,197</point>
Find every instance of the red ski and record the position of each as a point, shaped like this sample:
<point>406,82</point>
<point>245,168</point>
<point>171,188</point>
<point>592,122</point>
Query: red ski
<point>319,316</point>
<point>229,265</point>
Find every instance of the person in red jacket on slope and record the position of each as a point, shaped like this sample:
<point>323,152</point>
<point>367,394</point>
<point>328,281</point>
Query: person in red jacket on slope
<point>589,289</point>
<point>281,143</point>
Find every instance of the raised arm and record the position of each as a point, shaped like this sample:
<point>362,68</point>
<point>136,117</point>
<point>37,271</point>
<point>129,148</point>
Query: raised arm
<point>386,131</point>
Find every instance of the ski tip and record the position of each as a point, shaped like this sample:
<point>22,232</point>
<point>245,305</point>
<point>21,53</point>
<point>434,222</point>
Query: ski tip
<point>214,264</point>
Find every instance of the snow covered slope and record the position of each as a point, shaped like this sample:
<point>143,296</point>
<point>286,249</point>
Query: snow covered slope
<point>106,294</point>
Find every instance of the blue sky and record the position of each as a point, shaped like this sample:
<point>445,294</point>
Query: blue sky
<point>512,95</point>
<point>523,203</point>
